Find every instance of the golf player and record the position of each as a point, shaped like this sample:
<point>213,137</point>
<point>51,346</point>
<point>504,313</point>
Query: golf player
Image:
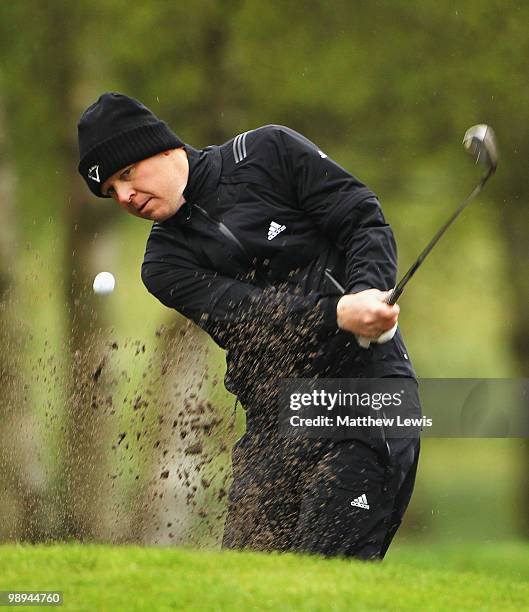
<point>285,259</point>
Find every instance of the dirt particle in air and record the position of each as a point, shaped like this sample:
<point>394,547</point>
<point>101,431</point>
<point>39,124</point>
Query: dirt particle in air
<point>98,370</point>
<point>194,449</point>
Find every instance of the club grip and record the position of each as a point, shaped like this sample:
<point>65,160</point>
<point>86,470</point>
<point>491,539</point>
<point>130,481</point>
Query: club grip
<point>394,296</point>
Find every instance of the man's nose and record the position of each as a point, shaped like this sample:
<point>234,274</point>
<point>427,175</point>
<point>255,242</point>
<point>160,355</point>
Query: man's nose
<point>125,193</point>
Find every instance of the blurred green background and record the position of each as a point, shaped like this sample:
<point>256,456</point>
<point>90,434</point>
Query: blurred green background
<point>107,401</point>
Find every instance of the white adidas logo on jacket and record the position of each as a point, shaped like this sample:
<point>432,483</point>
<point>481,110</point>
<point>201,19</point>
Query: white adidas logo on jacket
<point>361,502</point>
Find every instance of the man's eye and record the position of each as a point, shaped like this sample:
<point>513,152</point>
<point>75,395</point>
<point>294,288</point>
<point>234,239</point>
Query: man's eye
<point>126,172</point>
<point>110,191</point>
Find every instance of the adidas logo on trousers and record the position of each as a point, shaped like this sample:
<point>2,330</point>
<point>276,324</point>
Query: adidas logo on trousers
<point>275,229</point>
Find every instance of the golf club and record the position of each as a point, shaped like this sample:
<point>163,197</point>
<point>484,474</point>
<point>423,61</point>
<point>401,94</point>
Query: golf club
<point>480,142</point>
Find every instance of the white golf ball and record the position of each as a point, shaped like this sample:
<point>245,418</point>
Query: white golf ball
<point>104,283</point>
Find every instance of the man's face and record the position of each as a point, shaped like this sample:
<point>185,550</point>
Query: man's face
<point>151,188</point>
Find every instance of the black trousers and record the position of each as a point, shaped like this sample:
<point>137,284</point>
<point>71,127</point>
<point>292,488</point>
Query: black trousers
<point>327,497</point>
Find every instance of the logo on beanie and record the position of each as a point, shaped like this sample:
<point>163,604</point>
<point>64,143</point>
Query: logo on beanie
<point>93,173</point>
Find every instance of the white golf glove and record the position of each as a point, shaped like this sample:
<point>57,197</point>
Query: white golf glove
<point>382,339</point>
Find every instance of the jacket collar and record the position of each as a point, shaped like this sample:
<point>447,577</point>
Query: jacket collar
<point>205,167</point>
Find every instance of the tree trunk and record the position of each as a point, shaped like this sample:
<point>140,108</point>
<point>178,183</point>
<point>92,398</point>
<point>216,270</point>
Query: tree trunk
<point>514,224</point>
<point>22,482</point>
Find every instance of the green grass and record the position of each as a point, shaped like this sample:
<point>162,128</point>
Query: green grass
<point>481,577</point>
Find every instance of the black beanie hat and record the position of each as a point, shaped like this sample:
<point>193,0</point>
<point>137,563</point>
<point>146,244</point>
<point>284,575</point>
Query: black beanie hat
<point>116,131</point>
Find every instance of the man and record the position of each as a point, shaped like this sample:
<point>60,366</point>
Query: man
<point>284,258</point>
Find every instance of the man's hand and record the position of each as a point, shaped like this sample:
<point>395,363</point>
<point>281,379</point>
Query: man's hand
<point>366,313</point>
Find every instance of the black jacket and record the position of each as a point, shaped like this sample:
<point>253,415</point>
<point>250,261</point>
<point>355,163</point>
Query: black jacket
<point>272,233</point>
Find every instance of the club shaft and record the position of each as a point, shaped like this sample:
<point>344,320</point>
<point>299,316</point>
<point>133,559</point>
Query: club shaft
<point>397,292</point>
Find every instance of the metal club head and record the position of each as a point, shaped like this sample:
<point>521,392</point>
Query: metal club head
<point>480,142</point>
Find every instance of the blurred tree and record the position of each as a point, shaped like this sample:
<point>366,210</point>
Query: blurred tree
<point>40,77</point>
<point>22,491</point>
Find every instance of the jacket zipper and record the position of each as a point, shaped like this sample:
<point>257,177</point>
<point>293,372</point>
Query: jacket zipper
<point>334,281</point>
<point>227,233</point>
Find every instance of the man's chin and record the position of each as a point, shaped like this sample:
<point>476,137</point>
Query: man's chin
<point>161,215</point>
